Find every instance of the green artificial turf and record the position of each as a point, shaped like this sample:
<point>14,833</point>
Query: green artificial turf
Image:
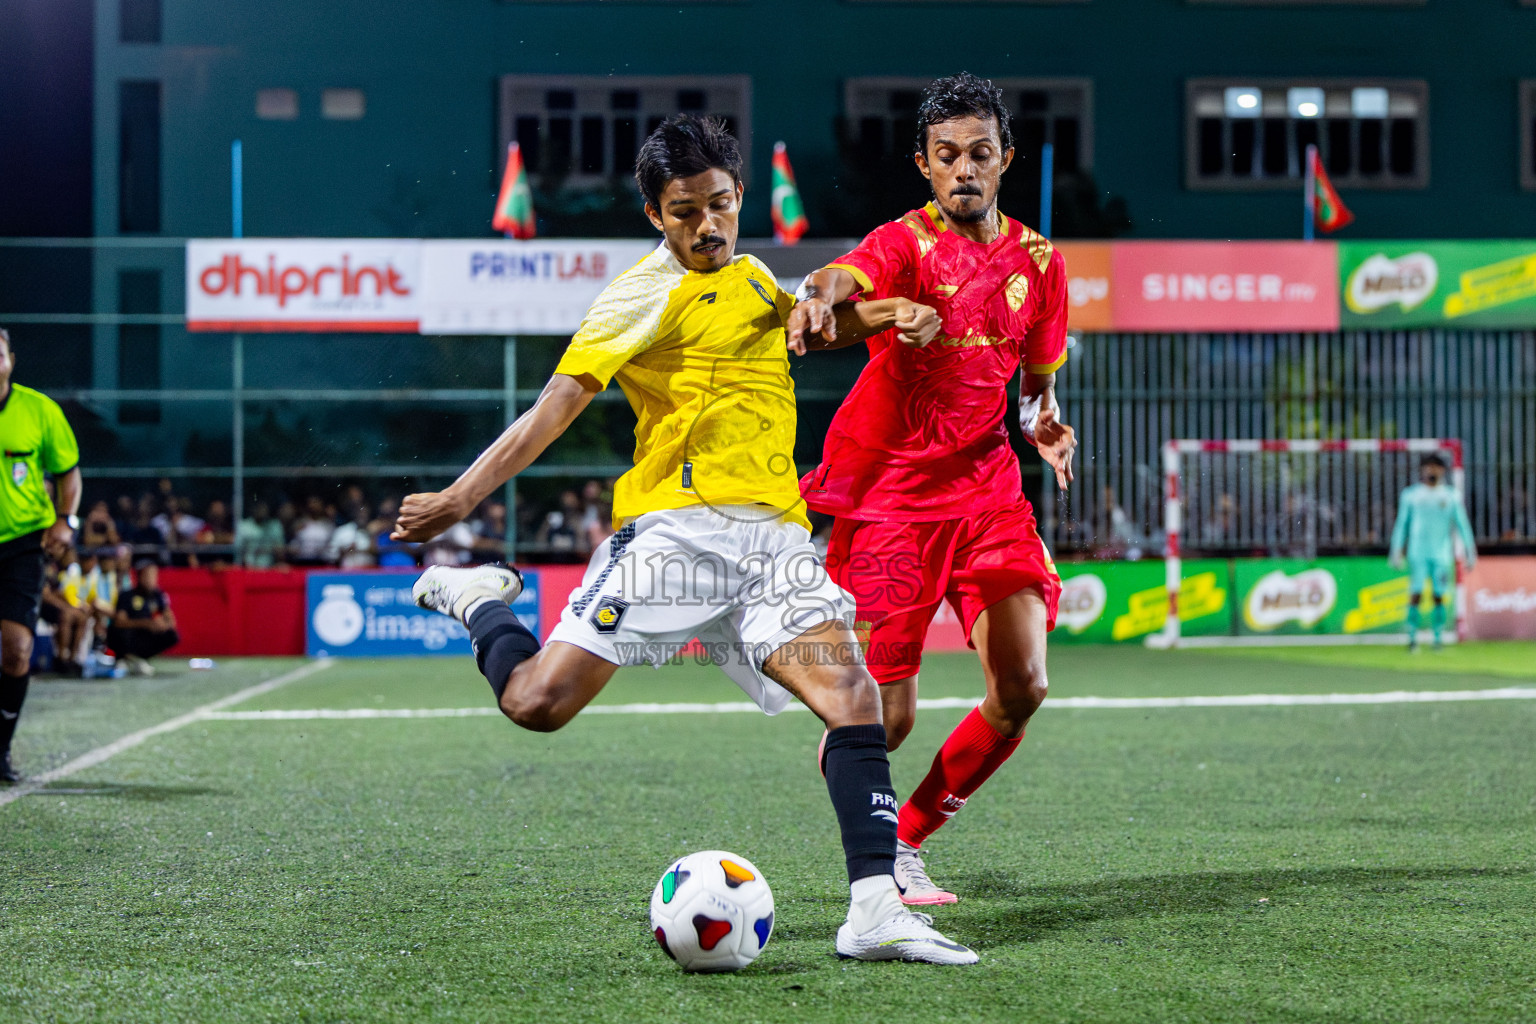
<point>1355,863</point>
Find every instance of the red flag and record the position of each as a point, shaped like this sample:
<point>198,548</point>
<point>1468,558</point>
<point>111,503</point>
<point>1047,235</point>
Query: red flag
<point>1328,210</point>
<point>514,205</point>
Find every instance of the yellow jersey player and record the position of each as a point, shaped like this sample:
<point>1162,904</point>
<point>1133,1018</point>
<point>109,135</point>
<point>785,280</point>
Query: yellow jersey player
<point>711,538</point>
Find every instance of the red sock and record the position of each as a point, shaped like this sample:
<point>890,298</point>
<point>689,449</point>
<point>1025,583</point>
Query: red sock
<point>967,759</point>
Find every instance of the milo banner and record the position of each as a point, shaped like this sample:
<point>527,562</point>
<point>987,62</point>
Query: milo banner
<point>1340,596</point>
<point>1431,284</point>
<point>1116,602</point>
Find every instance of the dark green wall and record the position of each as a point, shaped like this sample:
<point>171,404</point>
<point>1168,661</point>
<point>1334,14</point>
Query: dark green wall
<point>421,162</point>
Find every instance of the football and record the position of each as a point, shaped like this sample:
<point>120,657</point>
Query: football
<point>712,911</point>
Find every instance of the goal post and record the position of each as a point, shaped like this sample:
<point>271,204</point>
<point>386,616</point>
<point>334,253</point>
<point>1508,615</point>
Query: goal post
<point>1175,495</point>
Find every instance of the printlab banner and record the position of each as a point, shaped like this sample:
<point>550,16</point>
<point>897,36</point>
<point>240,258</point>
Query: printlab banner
<point>508,287</point>
<point>372,615</point>
<point>303,284</point>
<point>1427,284</point>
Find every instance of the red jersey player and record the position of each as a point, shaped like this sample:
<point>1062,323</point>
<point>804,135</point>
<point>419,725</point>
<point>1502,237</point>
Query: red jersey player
<point>917,466</point>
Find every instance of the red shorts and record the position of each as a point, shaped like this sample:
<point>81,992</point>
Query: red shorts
<point>899,572</point>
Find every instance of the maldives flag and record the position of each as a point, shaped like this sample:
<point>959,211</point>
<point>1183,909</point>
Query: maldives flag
<point>514,204</point>
<point>1328,210</point>
<point>788,212</point>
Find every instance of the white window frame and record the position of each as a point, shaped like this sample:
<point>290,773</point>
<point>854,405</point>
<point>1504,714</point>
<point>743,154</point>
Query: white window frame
<point>593,94</point>
<point>1203,99</point>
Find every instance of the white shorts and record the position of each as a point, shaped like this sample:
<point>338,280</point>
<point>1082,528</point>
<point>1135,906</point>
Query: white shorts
<point>740,582</point>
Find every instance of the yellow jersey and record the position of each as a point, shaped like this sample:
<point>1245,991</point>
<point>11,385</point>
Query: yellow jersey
<point>702,360</point>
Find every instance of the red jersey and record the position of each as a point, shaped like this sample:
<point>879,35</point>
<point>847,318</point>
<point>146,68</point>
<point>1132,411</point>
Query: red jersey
<point>921,435</point>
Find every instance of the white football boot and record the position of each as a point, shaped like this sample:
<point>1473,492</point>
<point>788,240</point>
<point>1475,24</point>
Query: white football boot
<point>906,936</point>
<point>912,881</point>
<point>455,591</point>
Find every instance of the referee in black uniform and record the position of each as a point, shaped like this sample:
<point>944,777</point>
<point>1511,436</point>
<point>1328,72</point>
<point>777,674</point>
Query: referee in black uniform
<point>36,440</point>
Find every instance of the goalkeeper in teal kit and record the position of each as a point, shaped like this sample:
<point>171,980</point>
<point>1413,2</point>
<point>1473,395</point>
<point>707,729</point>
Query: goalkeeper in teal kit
<point>1427,515</point>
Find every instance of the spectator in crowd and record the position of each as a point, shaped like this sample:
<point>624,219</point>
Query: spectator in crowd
<point>596,515</point>
<point>351,545</point>
<point>560,532</point>
<point>143,534</point>
<point>260,543</point>
<point>490,529</point>
<point>144,624</point>
<point>68,620</point>
<point>216,527</point>
<point>312,533</point>
<point>98,529</point>
<point>123,513</point>
<point>177,525</point>
<point>454,546</point>
<point>101,590</point>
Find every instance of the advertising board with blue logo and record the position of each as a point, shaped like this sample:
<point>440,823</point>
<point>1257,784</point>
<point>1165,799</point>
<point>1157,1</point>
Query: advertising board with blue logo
<point>372,615</point>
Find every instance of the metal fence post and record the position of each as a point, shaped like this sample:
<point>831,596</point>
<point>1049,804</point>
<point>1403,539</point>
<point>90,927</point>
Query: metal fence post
<point>237,416</point>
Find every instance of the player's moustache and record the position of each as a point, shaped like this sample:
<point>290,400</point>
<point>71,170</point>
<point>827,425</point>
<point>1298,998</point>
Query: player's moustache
<point>708,240</point>
<point>965,190</point>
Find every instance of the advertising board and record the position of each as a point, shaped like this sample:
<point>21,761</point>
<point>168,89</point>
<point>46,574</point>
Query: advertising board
<point>1117,602</point>
<point>1225,286</point>
<point>1427,284</point>
<point>303,284</point>
<point>1501,598</point>
<point>1090,282</point>
<point>372,615</point>
<point>510,287</point>
<point>1338,596</point>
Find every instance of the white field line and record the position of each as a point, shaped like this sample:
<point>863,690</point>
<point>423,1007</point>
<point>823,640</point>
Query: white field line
<point>1245,700</point>
<point>92,758</point>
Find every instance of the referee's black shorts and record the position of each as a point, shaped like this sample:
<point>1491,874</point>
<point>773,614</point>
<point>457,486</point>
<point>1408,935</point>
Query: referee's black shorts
<point>21,579</point>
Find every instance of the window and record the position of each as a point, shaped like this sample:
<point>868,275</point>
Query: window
<point>343,104</point>
<point>277,104</point>
<point>138,345</point>
<point>138,156</point>
<point>1254,133</point>
<point>882,117</point>
<point>1528,134</point>
<point>138,21</point>
<point>589,128</point>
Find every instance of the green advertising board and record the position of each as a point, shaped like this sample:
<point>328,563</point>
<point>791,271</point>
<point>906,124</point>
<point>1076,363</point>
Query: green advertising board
<point>1340,596</point>
<point>1118,602</point>
<point>1432,284</point>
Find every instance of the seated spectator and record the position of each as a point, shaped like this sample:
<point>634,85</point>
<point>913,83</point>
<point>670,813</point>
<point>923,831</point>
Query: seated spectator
<point>216,528</point>
<point>454,546</point>
<point>98,530</point>
<point>561,530</point>
<point>144,625</point>
<point>145,537</point>
<point>351,545</point>
<point>123,514</point>
<point>61,610</point>
<point>259,543</point>
<point>490,529</point>
<point>101,590</point>
<point>312,533</point>
<point>597,514</point>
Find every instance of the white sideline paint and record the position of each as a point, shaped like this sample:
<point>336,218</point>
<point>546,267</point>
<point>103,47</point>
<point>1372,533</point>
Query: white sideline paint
<point>1243,700</point>
<point>92,758</point>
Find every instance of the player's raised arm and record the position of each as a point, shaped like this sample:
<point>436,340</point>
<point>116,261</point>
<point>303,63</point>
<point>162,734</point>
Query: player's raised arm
<point>1040,419</point>
<point>915,324</point>
<point>813,323</point>
<point>424,516</point>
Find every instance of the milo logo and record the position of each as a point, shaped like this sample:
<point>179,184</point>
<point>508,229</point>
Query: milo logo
<point>1082,602</point>
<point>1378,282</point>
<point>1305,599</point>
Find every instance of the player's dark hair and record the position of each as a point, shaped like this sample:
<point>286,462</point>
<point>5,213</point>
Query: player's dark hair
<point>1432,459</point>
<point>962,95</point>
<point>681,147</point>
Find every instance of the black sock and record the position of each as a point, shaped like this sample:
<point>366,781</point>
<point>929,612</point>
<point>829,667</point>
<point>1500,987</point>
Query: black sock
<point>501,643</point>
<point>13,693</point>
<point>859,781</point>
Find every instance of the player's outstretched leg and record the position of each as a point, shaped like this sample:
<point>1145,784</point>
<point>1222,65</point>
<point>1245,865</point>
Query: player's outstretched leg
<point>480,598</point>
<point>1437,620</point>
<point>858,773</point>
<point>1010,637</point>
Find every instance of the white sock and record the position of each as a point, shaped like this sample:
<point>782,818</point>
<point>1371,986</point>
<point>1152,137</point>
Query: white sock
<point>474,605</point>
<point>875,899</point>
